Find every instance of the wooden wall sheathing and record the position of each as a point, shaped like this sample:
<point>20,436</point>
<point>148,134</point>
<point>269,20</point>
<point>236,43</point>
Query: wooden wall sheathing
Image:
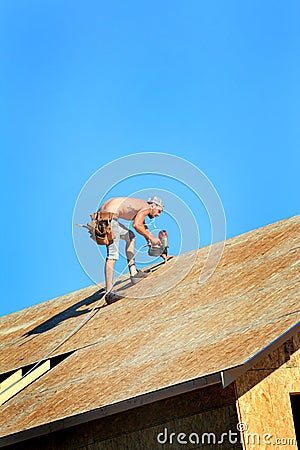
<point>264,394</point>
<point>211,409</point>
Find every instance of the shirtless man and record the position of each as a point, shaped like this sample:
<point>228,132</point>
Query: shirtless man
<point>128,209</point>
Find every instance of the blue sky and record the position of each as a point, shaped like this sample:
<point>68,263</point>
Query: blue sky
<point>215,83</point>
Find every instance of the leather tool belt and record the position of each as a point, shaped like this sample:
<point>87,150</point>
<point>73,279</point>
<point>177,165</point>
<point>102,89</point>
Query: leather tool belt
<point>100,228</point>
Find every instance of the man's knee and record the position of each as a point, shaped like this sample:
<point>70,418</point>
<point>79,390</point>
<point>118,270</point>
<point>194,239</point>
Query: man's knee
<point>131,235</point>
<point>113,257</point>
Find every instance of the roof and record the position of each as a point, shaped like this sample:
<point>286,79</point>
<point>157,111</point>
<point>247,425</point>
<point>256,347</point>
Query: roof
<point>143,347</point>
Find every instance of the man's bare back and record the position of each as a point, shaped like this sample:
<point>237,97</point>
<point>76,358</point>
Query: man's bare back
<point>125,208</point>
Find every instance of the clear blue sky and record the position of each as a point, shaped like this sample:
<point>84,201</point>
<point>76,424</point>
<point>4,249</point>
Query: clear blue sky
<point>84,83</point>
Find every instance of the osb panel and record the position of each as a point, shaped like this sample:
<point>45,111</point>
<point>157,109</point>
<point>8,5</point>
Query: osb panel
<point>264,394</point>
<point>211,409</point>
<point>140,345</point>
<point>28,335</point>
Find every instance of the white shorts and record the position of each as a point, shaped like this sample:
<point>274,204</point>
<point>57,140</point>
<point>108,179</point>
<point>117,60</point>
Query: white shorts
<point>119,232</point>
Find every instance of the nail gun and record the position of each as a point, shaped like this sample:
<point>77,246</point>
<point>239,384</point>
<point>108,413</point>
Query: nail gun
<point>162,249</point>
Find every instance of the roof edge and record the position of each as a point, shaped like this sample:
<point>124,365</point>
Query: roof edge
<point>114,408</point>
<point>230,375</point>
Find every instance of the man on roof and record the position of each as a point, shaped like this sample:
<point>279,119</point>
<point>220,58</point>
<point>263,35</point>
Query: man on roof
<point>137,210</point>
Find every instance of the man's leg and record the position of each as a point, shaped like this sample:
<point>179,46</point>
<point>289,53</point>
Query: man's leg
<point>112,256</point>
<point>109,273</point>
<point>129,237</point>
<point>130,244</point>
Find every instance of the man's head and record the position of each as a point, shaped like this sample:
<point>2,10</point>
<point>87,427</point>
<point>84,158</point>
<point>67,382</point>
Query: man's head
<point>156,206</point>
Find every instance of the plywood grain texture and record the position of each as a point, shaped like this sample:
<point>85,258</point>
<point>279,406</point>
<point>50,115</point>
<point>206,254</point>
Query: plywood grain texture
<point>149,341</point>
<point>264,395</point>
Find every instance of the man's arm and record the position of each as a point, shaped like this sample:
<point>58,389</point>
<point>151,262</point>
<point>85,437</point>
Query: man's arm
<point>141,228</point>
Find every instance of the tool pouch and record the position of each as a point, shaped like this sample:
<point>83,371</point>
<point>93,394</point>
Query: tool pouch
<point>100,228</point>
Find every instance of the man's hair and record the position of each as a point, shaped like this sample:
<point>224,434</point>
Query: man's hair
<point>158,201</point>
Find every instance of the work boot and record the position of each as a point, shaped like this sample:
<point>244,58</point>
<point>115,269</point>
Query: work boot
<point>112,297</point>
<point>138,277</point>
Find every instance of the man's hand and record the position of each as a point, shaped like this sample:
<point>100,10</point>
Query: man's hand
<point>154,240</point>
